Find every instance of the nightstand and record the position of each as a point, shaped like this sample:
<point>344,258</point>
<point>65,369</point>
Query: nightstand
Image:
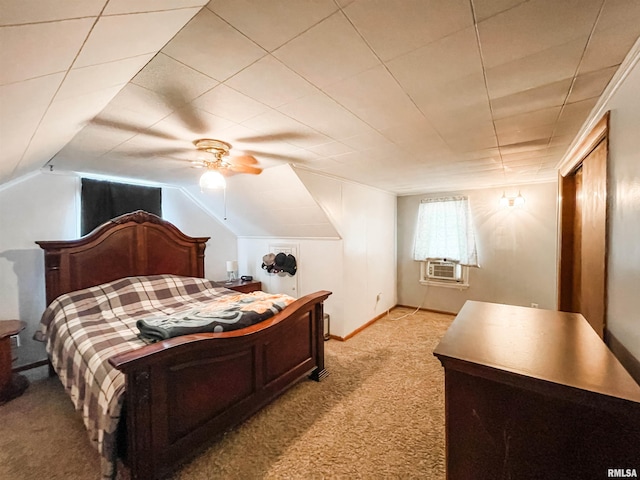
<point>11,385</point>
<point>241,286</point>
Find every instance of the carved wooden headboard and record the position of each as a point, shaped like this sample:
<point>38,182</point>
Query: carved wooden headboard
<point>137,243</point>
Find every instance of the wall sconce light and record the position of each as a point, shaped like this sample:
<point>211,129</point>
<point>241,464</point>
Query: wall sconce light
<point>511,201</point>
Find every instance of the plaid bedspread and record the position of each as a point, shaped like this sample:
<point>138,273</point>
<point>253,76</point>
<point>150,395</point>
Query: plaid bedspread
<point>83,329</point>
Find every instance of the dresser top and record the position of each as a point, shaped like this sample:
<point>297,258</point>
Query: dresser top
<point>556,347</point>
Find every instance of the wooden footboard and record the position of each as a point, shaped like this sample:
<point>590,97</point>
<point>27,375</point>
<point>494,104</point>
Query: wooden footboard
<point>184,392</point>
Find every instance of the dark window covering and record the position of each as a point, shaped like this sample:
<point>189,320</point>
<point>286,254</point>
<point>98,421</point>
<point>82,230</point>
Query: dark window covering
<point>101,201</point>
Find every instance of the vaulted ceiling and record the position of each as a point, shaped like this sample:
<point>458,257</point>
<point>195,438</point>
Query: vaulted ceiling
<point>404,95</point>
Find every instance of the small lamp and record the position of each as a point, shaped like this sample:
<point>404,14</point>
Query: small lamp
<point>232,268</point>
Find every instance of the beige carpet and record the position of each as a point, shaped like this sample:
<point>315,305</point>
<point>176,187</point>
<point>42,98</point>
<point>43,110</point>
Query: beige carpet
<point>380,414</point>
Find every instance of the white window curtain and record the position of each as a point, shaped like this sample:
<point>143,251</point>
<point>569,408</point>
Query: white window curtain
<point>445,230</point>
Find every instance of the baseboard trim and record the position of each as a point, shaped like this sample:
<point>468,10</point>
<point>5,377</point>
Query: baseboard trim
<point>29,366</point>
<point>375,319</point>
<point>427,309</point>
<point>359,329</point>
<point>628,361</point>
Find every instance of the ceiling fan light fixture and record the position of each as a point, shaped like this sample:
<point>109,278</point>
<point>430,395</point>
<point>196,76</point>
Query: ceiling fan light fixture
<point>212,180</point>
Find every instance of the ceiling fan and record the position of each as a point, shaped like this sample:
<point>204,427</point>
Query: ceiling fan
<point>211,154</point>
<point>214,156</point>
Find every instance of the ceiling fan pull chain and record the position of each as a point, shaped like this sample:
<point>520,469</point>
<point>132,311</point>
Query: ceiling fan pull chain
<point>224,194</point>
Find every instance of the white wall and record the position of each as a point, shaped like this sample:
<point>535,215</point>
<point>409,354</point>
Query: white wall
<point>46,206</point>
<point>365,269</point>
<point>623,275</point>
<point>320,267</point>
<point>191,219</point>
<point>516,248</point>
<point>37,207</point>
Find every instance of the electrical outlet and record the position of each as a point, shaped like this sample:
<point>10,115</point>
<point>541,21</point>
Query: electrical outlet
<point>534,305</point>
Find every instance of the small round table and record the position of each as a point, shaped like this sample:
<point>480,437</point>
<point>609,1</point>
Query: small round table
<point>12,385</point>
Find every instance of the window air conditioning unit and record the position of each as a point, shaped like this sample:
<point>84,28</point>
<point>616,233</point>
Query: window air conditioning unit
<point>444,270</point>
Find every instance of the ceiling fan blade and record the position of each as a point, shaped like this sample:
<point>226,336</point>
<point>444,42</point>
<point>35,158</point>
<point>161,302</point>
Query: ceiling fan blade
<point>128,127</point>
<point>245,169</point>
<point>243,160</point>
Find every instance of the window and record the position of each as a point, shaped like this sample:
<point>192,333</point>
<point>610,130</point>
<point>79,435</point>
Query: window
<point>101,201</point>
<point>445,241</point>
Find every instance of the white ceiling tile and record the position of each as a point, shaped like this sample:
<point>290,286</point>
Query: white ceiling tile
<point>23,106</point>
<point>535,26</point>
<point>367,140</point>
<point>93,141</point>
<point>609,47</point>
<point>541,133</point>
<point>560,141</point>
<point>573,116</point>
<point>454,57</point>
<point>80,81</point>
<point>460,94</point>
<point>471,142</point>
<point>619,12</point>
<point>53,135</point>
<point>190,124</point>
<point>330,51</point>
<point>326,116</point>
<point>577,110</point>
<point>552,94</point>
<point>553,65</point>
<point>273,123</point>
<point>271,24</point>
<point>395,27</point>
<point>525,146</point>
<point>30,98</point>
<point>43,48</point>
<point>484,9</point>
<point>149,105</point>
<point>16,12</point>
<point>118,7</point>
<point>230,104</point>
<point>270,82</point>
<point>590,84</point>
<point>331,148</point>
<point>477,119</point>
<point>419,132</point>
<point>178,83</point>
<point>123,36</point>
<point>535,157</point>
<point>375,97</point>
<point>536,118</point>
<point>221,50</point>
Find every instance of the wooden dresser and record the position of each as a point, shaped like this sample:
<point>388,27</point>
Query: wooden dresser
<point>535,394</point>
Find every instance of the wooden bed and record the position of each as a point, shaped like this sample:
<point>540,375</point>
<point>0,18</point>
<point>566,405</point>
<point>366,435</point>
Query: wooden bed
<point>183,392</point>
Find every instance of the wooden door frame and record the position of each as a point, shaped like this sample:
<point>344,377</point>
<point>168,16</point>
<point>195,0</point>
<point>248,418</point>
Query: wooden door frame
<point>567,208</point>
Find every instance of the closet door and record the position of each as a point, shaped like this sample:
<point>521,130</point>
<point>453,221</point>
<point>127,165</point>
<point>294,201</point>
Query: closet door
<point>583,255</point>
